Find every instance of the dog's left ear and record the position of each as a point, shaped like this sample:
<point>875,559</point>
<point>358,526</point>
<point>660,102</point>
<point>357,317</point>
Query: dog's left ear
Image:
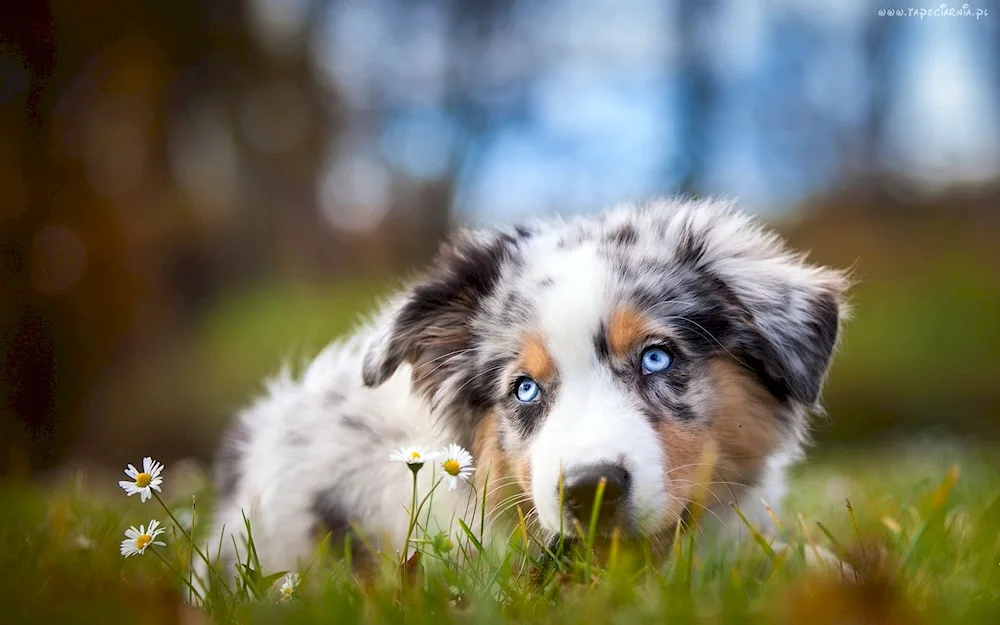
<point>794,313</point>
<point>783,314</point>
<point>430,325</point>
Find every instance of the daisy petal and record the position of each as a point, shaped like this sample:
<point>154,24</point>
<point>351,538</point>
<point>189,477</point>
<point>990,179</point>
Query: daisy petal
<point>457,465</point>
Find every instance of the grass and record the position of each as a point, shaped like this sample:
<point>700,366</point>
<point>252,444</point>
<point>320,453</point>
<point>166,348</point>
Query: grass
<point>922,528</point>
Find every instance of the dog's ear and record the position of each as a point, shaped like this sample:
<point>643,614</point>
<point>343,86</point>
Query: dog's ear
<point>783,314</point>
<point>430,325</point>
<point>793,323</point>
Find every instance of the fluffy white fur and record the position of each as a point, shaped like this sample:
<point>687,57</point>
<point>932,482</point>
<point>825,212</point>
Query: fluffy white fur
<point>319,445</point>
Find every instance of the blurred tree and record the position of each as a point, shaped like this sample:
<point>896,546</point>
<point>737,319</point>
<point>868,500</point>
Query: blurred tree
<point>869,172</point>
<point>99,251</point>
<point>699,89</point>
<point>45,261</point>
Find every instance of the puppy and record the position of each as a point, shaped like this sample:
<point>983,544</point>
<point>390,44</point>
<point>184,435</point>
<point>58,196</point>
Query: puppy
<point>673,349</point>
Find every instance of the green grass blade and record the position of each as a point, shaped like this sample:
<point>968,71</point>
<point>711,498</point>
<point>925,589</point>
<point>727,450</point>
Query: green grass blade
<point>757,536</point>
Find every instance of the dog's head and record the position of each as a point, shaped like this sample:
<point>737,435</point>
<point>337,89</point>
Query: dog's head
<point>649,346</point>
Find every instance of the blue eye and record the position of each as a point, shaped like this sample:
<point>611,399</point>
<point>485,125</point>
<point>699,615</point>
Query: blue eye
<point>527,390</point>
<point>655,360</point>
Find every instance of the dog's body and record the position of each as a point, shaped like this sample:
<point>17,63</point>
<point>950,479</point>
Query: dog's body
<point>674,349</point>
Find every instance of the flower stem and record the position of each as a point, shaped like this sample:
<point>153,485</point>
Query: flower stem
<point>194,545</point>
<point>187,582</point>
<point>413,522</point>
<point>191,552</point>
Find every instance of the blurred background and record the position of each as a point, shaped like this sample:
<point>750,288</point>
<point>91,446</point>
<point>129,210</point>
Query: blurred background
<point>193,193</point>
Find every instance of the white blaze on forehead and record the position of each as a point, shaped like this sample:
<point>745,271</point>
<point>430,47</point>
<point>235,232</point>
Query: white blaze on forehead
<point>572,306</point>
<point>592,419</point>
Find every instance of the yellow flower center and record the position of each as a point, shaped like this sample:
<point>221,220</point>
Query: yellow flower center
<point>142,480</point>
<point>451,466</point>
<point>143,539</point>
<point>414,455</point>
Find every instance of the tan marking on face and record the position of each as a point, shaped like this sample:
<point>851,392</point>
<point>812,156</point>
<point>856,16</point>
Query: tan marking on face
<point>492,463</point>
<point>507,476</point>
<point>535,359</point>
<point>522,469</point>
<point>745,423</point>
<point>626,329</point>
<point>486,454</point>
<point>684,445</point>
<point>708,462</point>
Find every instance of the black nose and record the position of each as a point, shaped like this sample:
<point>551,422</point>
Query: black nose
<point>580,491</point>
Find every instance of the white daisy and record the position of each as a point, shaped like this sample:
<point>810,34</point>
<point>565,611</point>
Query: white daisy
<point>415,457</point>
<point>457,464</point>
<point>143,481</point>
<point>139,539</point>
<point>288,587</point>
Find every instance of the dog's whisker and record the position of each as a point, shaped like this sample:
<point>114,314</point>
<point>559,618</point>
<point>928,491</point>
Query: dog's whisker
<point>448,358</point>
<point>491,522</point>
<point>506,479</point>
<point>500,511</point>
<point>512,483</point>
<point>473,378</point>
<point>687,502</point>
<point>716,468</point>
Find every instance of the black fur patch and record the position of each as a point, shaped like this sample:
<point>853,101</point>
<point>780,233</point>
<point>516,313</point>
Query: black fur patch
<point>805,355</point>
<point>623,236</point>
<point>333,520</point>
<point>691,247</point>
<point>359,425</point>
<point>331,516</point>
<point>434,321</point>
<point>755,353</point>
<point>663,395</point>
<point>716,288</point>
<point>601,343</point>
<point>527,418</point>
<point>434,330</point>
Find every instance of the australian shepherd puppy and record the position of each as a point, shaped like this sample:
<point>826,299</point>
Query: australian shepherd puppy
<point>674,349</point>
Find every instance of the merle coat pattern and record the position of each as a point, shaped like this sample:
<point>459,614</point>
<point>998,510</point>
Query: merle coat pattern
<point>675,348</point>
